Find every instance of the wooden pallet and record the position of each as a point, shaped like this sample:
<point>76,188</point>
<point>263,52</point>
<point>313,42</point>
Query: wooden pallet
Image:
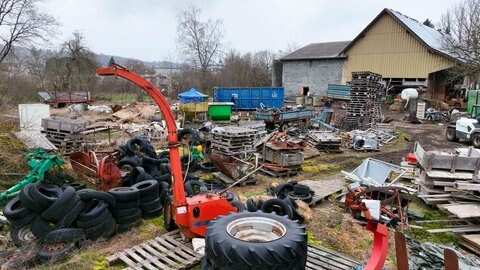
<point>323,188</point>
<point>163,252</point>
<point>322,258</point>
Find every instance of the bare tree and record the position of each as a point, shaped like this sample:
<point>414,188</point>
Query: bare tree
<point>200,41</point>
<point>462,23</point>
<point>35,65</point>
<point>139,67</point>
<point>21,23</point>
<point>73,68</point>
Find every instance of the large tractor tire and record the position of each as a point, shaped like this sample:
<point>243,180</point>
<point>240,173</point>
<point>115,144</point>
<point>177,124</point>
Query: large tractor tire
<point>476,140</point>
<point>451,134</point>
<point>255,240</point>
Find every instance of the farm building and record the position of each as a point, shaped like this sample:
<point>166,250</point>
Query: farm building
<point>404,51</point>
<point>311,68</point>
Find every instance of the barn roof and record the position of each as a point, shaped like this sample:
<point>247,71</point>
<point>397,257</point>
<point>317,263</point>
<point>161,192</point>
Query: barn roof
<point>313,51</point>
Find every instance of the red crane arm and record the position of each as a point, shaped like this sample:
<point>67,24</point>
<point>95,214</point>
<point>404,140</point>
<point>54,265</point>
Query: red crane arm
<point>176,167</point>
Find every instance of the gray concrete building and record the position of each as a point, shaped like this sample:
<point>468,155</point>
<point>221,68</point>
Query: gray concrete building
<point>311,68</point>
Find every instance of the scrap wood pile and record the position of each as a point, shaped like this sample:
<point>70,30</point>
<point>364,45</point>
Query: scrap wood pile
<point>325,141</point>
<point>231,140</point>
<point>366,93</point>
<point>450,182</point>
<point>283,155</point>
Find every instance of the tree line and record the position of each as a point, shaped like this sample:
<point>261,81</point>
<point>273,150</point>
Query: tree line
<point>206,60</point>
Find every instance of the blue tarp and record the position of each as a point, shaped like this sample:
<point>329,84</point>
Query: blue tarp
<point>192,95</point>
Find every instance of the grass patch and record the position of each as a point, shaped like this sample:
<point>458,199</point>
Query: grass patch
<point>312,239</point>
<point>327,168</point>
<point>252,193</point>
<point>123,98</point>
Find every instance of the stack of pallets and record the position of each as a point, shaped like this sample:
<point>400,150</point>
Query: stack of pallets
<point>325,141</point>
<point>365,105</point>
<point>448,178</point>
<point>233,141</point>
<point>66,134</point>
<point>258,126</point>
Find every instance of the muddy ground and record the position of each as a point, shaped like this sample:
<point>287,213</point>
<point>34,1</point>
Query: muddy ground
<point>331,226</point>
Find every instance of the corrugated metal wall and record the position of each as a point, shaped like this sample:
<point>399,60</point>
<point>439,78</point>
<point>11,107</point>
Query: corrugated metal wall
<point>388,49</point>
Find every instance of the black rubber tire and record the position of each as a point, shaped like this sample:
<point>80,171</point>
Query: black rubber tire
<point>451,135</point>
<point>301,189</point>
<point>166,178</point>
<point>135,145</point>
<point>129,219</point>
<point>128,163</point>
<point>165,168</point>
<point>168,221</point>
<point>239,206</point>
<point>191,187</point>
<point>164,192</point>
<point>15,209</point>
<point>45,194</point>
<point>53,178</point>
<point>476,140</point>
<point>251,207</point>
<point>137,175</point>
<point>147,187</point>
<point>278,206</point>
<point>90,194</point>
<point>64,235</point>
<point>96,231</point>
<point>151,170</point>
<point>71,216</point>
<point>149,198</point>
<point>23,221</point>
<point>153,213</point>
<point>54,252</point>
<point>40,227</point>
<point>189,162</point>
<point>85,224</point>
<point>164,155</point>
<point>207,167</point>
<point>110,230</point>
<point>121,228</point>
<point>125,194</point>
<point>124,212</point>
<point>296,215</point>
<point>282,189</point>
<point>76,185</point>
<point>307,198</point>
<point>65,177</point>
<point>259,204</point>
<point>22,236</point>
<point>214,184</point>
<point>188,136</point>
<point>93,209</point>
<point>128,205</point>
<point>62,205</point>
<point>224,251</point>
<point>122,151</point>
<point>206,265</point>
<point>147,206</point>
<point>27,199</point>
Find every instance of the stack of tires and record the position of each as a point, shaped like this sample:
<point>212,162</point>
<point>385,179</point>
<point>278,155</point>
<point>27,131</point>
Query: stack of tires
<point>150,203</point>
<point>127,211</point>
<point>96,219</point>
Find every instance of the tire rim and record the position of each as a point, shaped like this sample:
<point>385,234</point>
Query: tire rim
<point>26,235</point>
<point>256,229</point>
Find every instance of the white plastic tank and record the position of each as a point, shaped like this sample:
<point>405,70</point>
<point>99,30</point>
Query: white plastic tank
<point>409,93</point>
<point>31,116</point>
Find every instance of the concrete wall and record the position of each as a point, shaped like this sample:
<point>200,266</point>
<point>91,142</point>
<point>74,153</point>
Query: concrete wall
<point>315,74</point>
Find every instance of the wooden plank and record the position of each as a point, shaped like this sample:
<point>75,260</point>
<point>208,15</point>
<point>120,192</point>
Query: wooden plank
<point>464,185</point>
<point>131,252</point>
<point>153,261</point>
<point>324,188</point>
<point>132,264</point>
<point>163,257</point>
<point>456,229</point>
<point>465,210</point>
<point>471,241</point>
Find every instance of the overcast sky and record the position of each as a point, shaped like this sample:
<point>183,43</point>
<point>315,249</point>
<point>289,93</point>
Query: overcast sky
<point>146,29</point>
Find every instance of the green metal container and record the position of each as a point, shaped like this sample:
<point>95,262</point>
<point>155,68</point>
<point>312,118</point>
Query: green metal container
<point>220,111</point>
<point>473,99</point>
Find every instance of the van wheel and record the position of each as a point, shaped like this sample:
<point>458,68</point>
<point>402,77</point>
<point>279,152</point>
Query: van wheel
<point>450,134</point>
<point>476,140</point>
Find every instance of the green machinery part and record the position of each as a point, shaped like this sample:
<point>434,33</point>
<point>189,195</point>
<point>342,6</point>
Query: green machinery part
<point>39,162</point>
